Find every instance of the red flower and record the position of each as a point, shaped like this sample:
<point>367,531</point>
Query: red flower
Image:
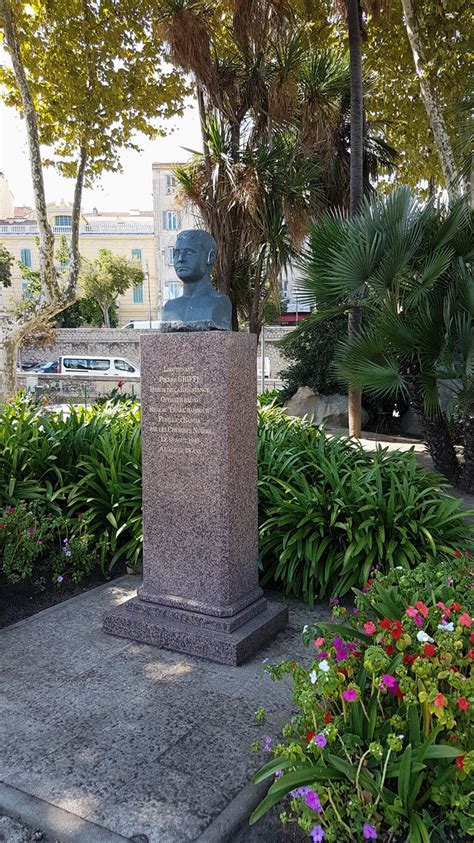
<point>385,624</point>
<point>2,526</point>
<point>389,649</point>
<point>470,654</point>
<point>407,659</point>
<point>453,737</point>
<point>462,703</point>
<point>455,607</point>
<point>457,554</point>
<point>293,665</point>
<point>327,717</point>
<point>429,650</point>
<point>468,554</point>
<point>460,762</point>
<point>471,638</point>
<point>397,630</point>
<point>423,610</point>
<point>454,669</point>
<point>399,694</point>
<point>310,736</point>
<point>439,701</point>
<point>368,583</point>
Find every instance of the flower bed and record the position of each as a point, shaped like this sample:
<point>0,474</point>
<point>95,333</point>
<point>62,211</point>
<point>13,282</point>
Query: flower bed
<point>381,745</point>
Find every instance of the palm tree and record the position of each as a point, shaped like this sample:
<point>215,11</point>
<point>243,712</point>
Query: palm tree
<point>407,266</point>
<point>273,116</point>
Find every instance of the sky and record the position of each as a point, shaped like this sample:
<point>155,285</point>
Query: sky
<point>114,191</point>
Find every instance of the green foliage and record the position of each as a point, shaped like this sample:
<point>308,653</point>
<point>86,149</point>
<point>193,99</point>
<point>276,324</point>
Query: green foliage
<point>109,276</point>
<point>310,349</point>
<point>36,544</point>
<point>6,262</point>
<point>85,467</point>
<point>86,311</point>
<point>330,512</point>
<point>96,76</point>
<point>381,740</point>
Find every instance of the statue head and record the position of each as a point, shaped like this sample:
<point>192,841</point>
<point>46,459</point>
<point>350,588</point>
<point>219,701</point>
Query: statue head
<point>194,255</point>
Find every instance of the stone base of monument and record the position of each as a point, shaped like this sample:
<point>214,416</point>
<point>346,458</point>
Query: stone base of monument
<point>200,592</point>
<point>226,640</point>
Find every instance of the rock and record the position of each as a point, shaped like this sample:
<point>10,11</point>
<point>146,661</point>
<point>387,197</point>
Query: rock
<point>328,409</point>
<point>410,423</point>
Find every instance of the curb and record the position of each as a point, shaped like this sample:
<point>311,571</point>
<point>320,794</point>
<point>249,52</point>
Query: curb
<point>53,821</point>
<point>234,815</point>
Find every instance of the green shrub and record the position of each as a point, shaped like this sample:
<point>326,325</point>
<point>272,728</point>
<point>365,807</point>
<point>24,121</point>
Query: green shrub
<point>310,351</point>
<point>381,745</point>
<point>330,512</point>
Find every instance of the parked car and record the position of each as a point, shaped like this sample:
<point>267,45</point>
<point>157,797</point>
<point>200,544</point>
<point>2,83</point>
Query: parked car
<point>115,367</point>
<point>46,368</point>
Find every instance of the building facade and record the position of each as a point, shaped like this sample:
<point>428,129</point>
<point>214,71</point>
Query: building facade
<point>126,233</point>
<point>170,218</point>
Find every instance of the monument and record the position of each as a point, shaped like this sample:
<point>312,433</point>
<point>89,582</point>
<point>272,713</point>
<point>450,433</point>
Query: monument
<point>200,592</point>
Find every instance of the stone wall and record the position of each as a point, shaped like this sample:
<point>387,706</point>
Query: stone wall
<point>125,343</point>
<point>64,389</point>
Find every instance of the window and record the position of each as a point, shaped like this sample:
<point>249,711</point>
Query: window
<point>138,294</point>
<point>170,220</point>
<point>86,364</point>
<point>25,289</point>
<point>137,255</point>
<point>25,257</point>
<point>123,366</point>
<point>170,184</point>
<point>64,220</point>
<point>170,255</point>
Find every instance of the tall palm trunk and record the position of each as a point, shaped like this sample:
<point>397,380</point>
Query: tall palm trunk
<point>437,436</point>
<point>356,179</point>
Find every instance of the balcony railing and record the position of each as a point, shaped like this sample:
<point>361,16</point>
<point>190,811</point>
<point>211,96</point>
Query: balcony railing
<point>95,228</point>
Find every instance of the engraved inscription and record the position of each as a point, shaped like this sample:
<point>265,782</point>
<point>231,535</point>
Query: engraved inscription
<point>179,414</point>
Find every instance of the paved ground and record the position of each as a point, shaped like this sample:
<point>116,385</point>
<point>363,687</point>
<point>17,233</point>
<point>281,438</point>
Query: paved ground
<point>127,737</point>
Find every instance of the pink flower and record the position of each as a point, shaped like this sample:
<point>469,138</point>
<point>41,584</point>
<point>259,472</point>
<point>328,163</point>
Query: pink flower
<point>411,612</point>
<point>418,620</point>
<point>465,620</point>
<point>319,642</point>
<point>370,628</point>
<point>439,701</point>
<point>423,610</point>
<point>350,695</point>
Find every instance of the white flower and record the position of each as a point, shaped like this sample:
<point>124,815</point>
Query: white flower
<point>313,676</point>
<point>305,628</point>
<point>324,666</point>
<point>446,627</point>
<point>424,637</point>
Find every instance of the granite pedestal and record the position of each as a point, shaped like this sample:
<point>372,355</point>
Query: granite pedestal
<point>200,592</point>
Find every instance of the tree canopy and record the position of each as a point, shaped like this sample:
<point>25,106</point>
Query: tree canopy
<point>109,276</point>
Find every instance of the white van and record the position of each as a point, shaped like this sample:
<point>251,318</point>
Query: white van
<point>141,325</point>
<point>79,364</point>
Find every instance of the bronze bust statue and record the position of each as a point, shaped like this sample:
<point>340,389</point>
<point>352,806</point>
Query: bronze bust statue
<point>200,306</point>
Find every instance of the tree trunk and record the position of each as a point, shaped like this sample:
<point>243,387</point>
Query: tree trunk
<point>437,438</point>
<point>8,347</point>
<point>467,475</point>
<point>106,315</point>
<point>414,26</point>
<point>46,238</point>
<point>356,180</point>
